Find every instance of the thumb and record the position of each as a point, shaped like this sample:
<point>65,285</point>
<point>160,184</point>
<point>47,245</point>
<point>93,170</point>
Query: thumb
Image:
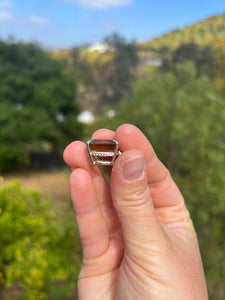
<point>132,200</point>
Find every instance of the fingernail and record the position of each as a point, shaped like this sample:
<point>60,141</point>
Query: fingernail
<point>133,168</point>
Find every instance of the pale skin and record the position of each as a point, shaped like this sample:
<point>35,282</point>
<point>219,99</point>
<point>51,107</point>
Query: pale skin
<point>137,235</point>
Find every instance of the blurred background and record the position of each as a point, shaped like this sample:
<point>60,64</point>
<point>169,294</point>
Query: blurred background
<point>69,67</point>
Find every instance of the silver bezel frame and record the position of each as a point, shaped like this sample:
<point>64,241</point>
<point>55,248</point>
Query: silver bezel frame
<point>99,162</point>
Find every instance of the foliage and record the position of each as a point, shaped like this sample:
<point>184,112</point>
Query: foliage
<point>208,34</point>
<point>37,98</point>
<point>202,57</point>
<point>183,116</point>
<point>89,67</point>
<point>202,33</point>
<point>219,50</point>
<point>38,243</point>
<point>119,72</point>
<point>105,77</point>
<point>82,67</point>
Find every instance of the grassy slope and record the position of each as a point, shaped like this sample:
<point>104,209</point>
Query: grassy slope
<point>203,33</point>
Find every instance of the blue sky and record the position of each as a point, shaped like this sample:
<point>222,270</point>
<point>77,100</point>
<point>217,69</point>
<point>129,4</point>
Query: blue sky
<point>65,23</point>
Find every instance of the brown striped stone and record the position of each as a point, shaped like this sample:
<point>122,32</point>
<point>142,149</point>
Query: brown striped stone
<point>102,151</point>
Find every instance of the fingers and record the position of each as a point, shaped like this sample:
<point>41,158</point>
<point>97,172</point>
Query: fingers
<point>91,224</point>
<point>108,209</point>
<point>76,156</point>
<point>130,137</point>
<point>103,134</point>
<point>163,189</point>
<point>132,199</point>
<point>166,197</point>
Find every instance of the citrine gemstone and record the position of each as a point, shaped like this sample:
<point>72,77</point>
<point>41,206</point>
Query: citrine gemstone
<point>102,152</point>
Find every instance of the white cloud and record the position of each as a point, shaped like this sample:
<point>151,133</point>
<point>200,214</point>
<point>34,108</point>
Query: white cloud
<point>5,15</point>
<point>101,4</point>
<point>6,3</point>
<point>38,21</point>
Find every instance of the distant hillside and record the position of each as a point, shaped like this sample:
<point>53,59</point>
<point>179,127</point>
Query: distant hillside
<point>210,31</point>
<point>205,32</point>
<point>202,33</point>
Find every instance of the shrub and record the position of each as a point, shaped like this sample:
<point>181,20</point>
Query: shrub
<point>38,243</point>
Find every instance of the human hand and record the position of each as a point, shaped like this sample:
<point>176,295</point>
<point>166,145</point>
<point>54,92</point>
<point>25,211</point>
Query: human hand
<point>137,236</point>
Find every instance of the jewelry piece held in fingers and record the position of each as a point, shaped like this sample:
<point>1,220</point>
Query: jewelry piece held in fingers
<point>103,152</point>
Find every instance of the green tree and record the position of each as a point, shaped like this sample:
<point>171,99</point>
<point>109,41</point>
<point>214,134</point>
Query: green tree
<point>118,74</point>
<point>184,118</point>
<point>219,50</point>
<point>202,57</point>
<point>37,103</point>
<point>82,69</point>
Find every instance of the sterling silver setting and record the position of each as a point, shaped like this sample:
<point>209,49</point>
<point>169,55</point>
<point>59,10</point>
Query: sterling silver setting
<point>103,152</point>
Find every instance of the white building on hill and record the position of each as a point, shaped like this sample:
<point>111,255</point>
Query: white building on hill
<point>100,47</point>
